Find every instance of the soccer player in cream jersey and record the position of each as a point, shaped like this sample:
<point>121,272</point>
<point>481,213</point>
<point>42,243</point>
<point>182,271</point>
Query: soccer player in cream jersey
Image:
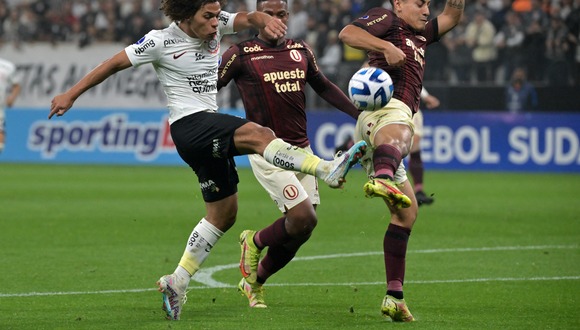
<point>9,91</point>
<point>396,41</point>
<point>185,57</point>
<point>271,75</point>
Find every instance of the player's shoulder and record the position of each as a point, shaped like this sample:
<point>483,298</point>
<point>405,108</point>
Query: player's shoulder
<point>7,66</point>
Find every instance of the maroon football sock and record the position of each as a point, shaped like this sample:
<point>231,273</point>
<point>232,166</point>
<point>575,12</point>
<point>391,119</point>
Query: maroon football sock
<point>273,235</point>
<point>416,168</point>
<point>395,250</point>
<point>386,159</point>
<point>275,259</point>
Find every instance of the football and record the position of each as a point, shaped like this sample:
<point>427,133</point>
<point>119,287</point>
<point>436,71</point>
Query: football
<point>370,89</point>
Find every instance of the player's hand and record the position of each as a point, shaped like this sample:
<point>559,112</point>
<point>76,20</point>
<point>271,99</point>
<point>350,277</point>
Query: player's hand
<point>59,105</point>
<point>394,56</point>
<point>275,29</point>
<point>431,101</point>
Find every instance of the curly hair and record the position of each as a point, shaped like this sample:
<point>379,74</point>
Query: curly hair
<point>180,10</point>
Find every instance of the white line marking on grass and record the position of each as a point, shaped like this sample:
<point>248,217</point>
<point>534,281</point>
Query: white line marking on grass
<point>228,286</point>
<point>204,276</point>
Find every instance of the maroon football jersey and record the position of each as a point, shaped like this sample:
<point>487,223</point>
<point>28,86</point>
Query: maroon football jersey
<point>271,81</point>
<point>408,79</point>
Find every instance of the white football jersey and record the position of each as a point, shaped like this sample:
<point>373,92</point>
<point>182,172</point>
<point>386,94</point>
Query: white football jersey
<point>186,67</point>
<point>7,80</point>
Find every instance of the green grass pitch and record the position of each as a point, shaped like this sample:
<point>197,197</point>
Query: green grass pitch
<point>82,246</point>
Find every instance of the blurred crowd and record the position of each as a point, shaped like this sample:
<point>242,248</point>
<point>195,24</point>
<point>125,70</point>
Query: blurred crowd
<point>495,38</point>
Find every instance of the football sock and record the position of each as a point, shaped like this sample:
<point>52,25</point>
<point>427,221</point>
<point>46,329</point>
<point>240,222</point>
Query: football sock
<point>386,159</point>
<point>396,294</point>
<point>289,157</point>
<point>395,250</point>
<point>203,237</point>
<point>416,168</point>
<point>275,259</point>
<point>273,235</point>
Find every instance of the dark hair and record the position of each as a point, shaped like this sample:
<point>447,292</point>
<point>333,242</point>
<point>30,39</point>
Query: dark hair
<point>180,10</point>
<point>260,1</point>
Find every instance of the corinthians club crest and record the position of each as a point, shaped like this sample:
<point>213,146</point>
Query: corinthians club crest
<point>213,45</point>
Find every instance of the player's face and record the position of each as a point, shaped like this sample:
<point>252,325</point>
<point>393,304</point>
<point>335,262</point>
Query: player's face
<point>275,8</point>
<point>414,12</point>
<point>204,23</point>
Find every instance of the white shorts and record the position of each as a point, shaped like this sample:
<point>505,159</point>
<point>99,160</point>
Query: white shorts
<point>2,119</point>
<point>286,188</point>
<point>369,123</point>
<point>418,122</point>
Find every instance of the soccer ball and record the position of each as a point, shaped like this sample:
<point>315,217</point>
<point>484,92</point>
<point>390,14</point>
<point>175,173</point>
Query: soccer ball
<point>370,89</point>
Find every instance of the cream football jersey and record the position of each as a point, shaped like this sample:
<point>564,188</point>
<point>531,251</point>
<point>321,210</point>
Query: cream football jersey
<point>7,80</point>
<point>186,67</point>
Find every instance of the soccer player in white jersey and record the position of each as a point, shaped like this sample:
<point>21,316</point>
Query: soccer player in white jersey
<point>9,90</point>
<point>185,56</point>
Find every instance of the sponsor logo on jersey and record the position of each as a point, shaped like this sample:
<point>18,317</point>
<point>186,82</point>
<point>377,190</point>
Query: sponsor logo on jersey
<point>262,57</point>
<point>176,56</point>
<point>421,38</point>
<point>376,20</point>
<point>253,49</point>
<point>203,83</point>
<point>295,45</point>
<point>199,57</point>
<point>292,83</point>
<point>227,65</point>
<point>143,46</point>
<point>176,41</point>
<point>223,18</point>
<point>284,75</point>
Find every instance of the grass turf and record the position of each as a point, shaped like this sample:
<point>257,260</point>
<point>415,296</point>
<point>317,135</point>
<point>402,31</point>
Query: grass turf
<point>82,247</point>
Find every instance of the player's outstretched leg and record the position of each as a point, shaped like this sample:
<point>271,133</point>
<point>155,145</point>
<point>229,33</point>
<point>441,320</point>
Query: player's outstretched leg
<point>174,296</point>
<point>342,164</point>
<point>387,189</point>
<point>254,292</point>
<point>396,309</point>
<point>250,256</point>
<point>422,198</point>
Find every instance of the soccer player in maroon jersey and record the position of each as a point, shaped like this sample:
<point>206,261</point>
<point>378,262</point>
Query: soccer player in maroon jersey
<point>271,75</point>
<point>395,41</point>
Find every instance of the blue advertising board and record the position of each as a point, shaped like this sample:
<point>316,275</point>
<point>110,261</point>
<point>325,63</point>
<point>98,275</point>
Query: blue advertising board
<point>483,141</point>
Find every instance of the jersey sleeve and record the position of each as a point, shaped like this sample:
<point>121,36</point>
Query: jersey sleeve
<point>146,50</point>
<point>226,22</point>
<point>431,32</point>
<point>313,69</point>
<point>229,66</point>
<point>376,21</point>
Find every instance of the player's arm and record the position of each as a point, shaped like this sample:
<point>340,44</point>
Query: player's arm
<point>229,66</point>
<point>325,88</point>
<point>430,100</point>
<point>358,38</point>
<point>14,92</point>
<point>62,102</point>
<point>333,95</point>
<point>258,20</point>
<point>450,16</point>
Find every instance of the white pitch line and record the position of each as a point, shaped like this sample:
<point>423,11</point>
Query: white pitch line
<point>469,280</point>
<point>204,276</point>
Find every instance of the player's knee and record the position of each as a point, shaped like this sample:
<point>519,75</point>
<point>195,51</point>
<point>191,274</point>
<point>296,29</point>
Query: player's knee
<point>301,226</point>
